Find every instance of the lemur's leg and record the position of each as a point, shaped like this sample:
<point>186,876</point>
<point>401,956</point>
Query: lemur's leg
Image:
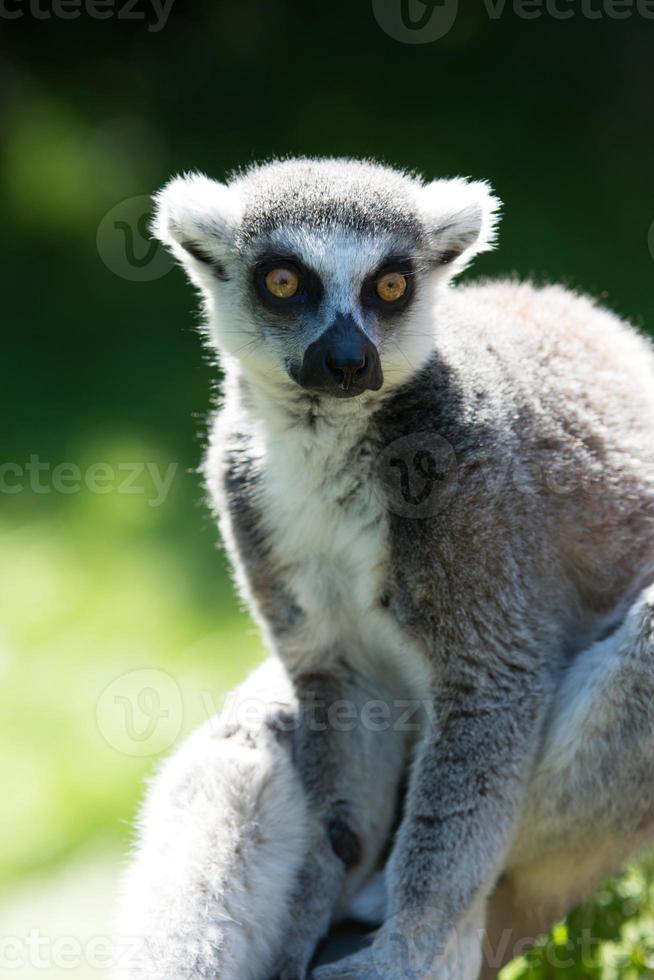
<point>236,820</point>
<point>350,752</point>
<point>590,805</point>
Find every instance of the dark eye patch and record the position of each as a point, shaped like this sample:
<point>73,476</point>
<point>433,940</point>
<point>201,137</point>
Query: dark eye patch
<point>309,293</point>
<point>369,295</point>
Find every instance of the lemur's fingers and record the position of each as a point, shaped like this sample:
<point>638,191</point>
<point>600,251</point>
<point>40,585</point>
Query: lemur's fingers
<point>391,957</point>
<point>359,966</point>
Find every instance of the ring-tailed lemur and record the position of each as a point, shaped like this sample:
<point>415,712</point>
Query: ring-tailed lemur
<point>439,504</point>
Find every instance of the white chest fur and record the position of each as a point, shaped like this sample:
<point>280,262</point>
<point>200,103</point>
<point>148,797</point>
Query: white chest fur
<point>327,524</point>
<point>329,529</point>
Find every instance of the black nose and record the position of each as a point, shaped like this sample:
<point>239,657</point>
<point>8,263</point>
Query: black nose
<point>342,361</point>
<point>347,367</point>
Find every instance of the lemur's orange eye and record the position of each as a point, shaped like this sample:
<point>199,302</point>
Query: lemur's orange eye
<point>391,286</point>
<point>282,283</point>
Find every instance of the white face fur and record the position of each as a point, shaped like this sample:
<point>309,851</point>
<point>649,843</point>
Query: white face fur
<point>335,229</point>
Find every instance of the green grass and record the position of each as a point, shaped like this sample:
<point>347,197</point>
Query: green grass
<point>91,589</point>
<point>94,588</point>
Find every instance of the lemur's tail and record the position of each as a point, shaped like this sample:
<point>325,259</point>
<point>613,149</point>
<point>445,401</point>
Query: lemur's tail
<point>223,832</point>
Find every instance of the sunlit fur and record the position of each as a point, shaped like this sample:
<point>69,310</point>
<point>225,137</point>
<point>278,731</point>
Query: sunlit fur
<point>516,619</point>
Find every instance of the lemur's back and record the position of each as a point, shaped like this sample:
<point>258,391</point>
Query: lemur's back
<point>559,354</point>
<point>568,389</point>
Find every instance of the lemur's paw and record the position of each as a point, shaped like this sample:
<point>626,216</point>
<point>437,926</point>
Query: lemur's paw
<point>292,973</point>
<point>401,950</point>
<point>359,966</point>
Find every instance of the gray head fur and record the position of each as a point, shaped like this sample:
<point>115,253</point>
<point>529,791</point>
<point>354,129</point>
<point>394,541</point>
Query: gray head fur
<point>340,219</point>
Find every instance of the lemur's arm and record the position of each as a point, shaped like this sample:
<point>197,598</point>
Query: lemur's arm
<point>462,806</point>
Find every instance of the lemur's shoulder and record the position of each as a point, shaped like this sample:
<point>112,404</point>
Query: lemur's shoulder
<point>547,353</point>
<point>547,322</point>
<point>538,375</point>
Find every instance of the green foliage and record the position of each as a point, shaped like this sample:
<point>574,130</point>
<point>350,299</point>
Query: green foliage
<point>93,590</point>
<point>610,937</point>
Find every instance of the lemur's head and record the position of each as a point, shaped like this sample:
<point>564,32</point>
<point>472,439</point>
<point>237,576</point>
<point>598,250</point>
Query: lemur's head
<point>322,273</point>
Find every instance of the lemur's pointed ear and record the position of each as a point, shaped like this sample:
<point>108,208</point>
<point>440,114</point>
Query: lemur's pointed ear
<point>461,218</point>
<point>197,219</point>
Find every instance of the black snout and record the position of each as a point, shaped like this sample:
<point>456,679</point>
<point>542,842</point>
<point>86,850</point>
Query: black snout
<point>343,361</point>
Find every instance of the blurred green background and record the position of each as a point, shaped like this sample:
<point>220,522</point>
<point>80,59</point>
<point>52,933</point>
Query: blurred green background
<point>110,587</point>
